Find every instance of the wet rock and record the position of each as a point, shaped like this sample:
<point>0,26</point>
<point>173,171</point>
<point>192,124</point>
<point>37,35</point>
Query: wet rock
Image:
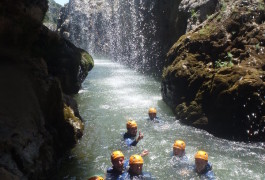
<point>74,122</point>
<point>50,19</point>
<point>197,11</point>
<point>227,97</point>
<point>5,175</point>
<point>37,68</point>
<point>65,61</point>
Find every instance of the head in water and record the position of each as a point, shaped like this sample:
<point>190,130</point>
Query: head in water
<point>179,148</point>
<point>117,160</point>
<point>152,113</point>
<point>136,164</point>
<point>201,160</point>
<point>131,127</point>
<point>96,178</point>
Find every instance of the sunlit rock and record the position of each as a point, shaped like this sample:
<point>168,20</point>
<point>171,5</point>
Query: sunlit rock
<point>214,75</point>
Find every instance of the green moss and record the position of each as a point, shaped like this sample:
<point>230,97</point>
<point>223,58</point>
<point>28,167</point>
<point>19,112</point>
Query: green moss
<point>207,30</point>
<point>204,33</point>
<point>194,14</point>
<point>225,63</point>
<point>257,47</point>
<point>210,17</point>
<point>223,5</point>
<point>218,18</point>
<point>70,117</point>
<point>69,113</point>
<point>87,61</point>
<point>219,64</point>
<point>261,5</point>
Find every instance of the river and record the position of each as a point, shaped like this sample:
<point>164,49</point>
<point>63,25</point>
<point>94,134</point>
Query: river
<point>111,94</point>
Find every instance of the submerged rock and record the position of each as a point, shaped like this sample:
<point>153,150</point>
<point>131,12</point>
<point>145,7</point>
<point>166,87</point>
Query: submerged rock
<point>214,75</point>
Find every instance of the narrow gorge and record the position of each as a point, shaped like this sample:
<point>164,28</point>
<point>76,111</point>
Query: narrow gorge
<point>210,54</point>
<point>200,63</point>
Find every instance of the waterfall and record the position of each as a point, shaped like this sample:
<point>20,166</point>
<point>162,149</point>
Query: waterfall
<point>125,31</point>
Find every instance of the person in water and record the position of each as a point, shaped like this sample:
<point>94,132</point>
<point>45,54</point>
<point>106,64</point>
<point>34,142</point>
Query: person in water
<point>119,165</point>
<point>202,166</point>
<point>179,159</point>
<point>130,136</point>
<point>152,115</point>
<point>135,170</point>
<point>179,151</point>
<point>96,178</point>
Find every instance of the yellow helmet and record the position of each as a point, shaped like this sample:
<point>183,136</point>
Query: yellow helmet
<point>116,154</point>
<point>131,124</point>
<point>201,155</point>
<point>136,159</point>
<point>96,178</point>
<point>179,144</point>
<point>152,110</point>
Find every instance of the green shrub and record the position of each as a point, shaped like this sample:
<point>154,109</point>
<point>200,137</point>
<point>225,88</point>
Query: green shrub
<point>228,63</point>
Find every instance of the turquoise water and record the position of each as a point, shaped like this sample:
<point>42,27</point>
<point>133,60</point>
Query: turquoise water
<point>111,94</point>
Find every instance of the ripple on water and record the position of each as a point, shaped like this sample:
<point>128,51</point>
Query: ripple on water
<point>105,108</point>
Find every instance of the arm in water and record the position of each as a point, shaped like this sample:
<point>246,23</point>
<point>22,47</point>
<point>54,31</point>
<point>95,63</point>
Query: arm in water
<point>129,141</point>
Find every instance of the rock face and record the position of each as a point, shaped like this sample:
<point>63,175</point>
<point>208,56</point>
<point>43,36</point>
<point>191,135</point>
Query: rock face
<point>214,75</point>
<point>39,71</point>
<point>136,33</point>
<point>51,17</point>
<point>195,12</point>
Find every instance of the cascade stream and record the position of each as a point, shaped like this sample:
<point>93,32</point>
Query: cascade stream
<point>111,94</point>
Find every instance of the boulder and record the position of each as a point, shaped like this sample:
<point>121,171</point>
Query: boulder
<point>214,74</point>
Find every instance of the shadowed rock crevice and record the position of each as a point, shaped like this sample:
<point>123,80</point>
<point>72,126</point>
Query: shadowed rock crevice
<point>38,70</point>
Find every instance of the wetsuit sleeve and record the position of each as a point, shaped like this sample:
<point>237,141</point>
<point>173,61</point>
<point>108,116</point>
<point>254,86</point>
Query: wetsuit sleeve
<point>185,159</point>
<point>124,176</point>
<point>126,164</point>
<point>109,174</point>
<point>130,142</point>
<point>147,176</point>
<point>210,175</point>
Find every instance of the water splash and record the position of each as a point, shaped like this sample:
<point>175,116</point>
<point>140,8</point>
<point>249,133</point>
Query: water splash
<point>120,30</point>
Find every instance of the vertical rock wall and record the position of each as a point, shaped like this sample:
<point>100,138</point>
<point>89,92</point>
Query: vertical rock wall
<point>214,75</point>
<point>38,72</point>
<point>137,32</point>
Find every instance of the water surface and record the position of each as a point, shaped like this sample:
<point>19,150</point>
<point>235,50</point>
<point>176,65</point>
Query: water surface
<point>111,94</point>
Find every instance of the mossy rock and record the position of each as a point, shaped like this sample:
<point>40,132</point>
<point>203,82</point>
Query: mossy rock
<point>87,61</point>
<point>214,76</point>
<point>86,64</point>
<point>74,121</point>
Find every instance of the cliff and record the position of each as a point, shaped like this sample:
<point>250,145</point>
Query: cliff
<point>135,33</point>
<point>39,70</point>
<point>214,74</point>
<point>51,17</point>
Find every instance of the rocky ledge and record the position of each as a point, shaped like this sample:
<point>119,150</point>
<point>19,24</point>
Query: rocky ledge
<point>214,75</point>
<point>39,71</point>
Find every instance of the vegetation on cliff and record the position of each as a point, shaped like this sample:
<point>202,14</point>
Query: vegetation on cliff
<point>214,76</point>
